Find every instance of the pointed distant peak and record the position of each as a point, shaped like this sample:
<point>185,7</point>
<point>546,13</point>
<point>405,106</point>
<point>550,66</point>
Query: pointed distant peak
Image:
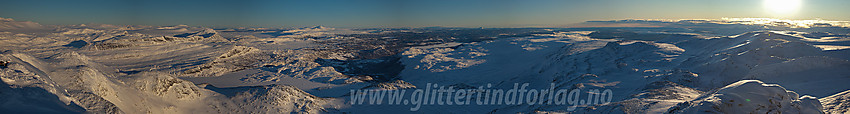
<point>208,30</point>
<point>319,27</point>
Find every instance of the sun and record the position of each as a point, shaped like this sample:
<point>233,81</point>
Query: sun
<point>782,7</point>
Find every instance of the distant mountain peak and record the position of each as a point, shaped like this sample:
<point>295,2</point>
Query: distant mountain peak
<point>317,28</point>
<point>6,19</point>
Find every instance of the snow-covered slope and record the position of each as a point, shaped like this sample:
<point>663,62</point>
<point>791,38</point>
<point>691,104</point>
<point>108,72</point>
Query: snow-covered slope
<point>751,96</point>
<point>76,84</point>
<point>837,104</point>
<point>644,73</point>
<point>686,67</point>
<point>815,75</point>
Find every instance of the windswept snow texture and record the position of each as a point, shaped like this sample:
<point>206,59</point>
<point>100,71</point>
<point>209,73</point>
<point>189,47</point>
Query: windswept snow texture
<point>837,104</point>
<point>738,65</point>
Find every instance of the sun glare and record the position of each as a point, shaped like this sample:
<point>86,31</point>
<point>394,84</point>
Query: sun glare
<point>782,7</point>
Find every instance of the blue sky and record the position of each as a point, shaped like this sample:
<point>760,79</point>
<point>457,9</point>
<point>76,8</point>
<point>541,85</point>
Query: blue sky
<point>395,13</point>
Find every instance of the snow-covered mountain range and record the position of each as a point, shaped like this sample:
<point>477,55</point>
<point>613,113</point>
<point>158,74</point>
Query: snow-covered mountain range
<point>672,66</point>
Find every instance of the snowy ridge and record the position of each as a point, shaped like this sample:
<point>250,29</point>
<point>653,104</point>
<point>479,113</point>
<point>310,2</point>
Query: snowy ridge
<point>733,58</point>
<point>647,73</point>
<point>751,96</point>
<point>690,66</point>
<point>310,32</point>
<point>442,58</point>
<point>82,85</point>
<point>271,99</point>
<point>236,59</point>
<point>822,74</point>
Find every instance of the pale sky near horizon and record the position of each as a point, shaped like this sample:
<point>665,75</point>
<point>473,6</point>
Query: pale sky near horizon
<point>398,13</point>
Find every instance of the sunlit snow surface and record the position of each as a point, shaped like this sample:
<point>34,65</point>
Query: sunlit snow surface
<point>730,65</point>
